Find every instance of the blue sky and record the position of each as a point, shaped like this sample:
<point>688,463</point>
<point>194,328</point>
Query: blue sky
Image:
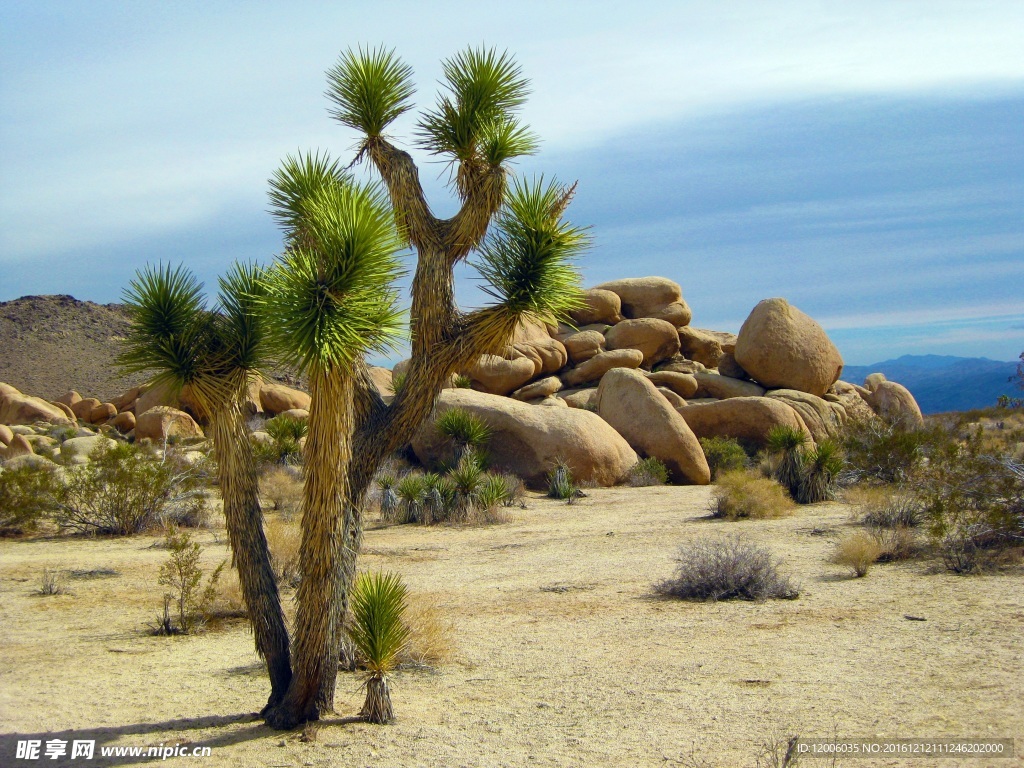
<point>863,159</point>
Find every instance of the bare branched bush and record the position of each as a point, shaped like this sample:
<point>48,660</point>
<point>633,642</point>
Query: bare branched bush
<point>52,583</point>
<point>725,569</point>
<point>744,494</point>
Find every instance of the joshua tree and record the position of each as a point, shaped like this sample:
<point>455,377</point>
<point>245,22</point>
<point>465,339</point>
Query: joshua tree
<point>215,355</point>
<point>330,294</point>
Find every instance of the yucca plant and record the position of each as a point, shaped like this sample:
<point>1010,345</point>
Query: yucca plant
<point>561,484</point>
<point>821,467</point>
<point>466,477</point>
<point>388,498</point>
<point>461,381</point>
<point>286,432</point>
<point>216,353</point>
<point>331,298</point>
<point>467,431</point>
<point>411,490</point>
<point>788,442</point>
<point>380,635</point>
<point>438,498</point>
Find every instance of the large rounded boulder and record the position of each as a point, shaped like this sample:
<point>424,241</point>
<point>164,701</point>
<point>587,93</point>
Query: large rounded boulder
<point>782,348</point>
<point>597,366</point>
<point>277,398</point>
<point>656,297</point>
<point>893,402</point>
<point>657,339</point>
<point>527,440</point>
<point>641,414</point>
<point>18,408</point>
<point>498,376</point>
<point>744,418</point>
<point>164,422</point>
<point>599,306</point>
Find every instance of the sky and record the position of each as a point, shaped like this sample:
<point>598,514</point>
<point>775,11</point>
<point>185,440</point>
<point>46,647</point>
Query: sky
<point>864,160</point>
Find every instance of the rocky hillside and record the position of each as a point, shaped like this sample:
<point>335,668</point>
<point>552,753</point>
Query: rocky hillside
<point>51,344</point>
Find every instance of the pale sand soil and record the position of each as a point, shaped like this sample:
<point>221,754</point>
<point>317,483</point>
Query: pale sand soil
<point>599,673</point>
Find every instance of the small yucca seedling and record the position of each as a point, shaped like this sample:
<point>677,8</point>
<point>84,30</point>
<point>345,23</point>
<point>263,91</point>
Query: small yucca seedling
<point>561,484</point>
<point>821,467</point>
<point>389,506</point>
<point>466,430</point>
<point>380,635</point>
<point>398,382</point>
<point>789,442</point>
<point>461,381</point>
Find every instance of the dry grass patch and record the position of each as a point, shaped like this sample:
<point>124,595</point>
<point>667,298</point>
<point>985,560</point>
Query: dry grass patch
<point>858,551</point>
<point>430,633</point>
<point>284,538</point>
<point>281,489</point>
<point>744,494</point>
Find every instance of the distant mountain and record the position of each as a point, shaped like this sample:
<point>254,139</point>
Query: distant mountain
<point>945,383</point>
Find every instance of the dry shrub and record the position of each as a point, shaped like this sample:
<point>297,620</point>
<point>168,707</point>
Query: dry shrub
<point>284,539</point>
<point>886,506</point>
<point>228,601</point>
<point>724,569</point>
<point>430,633</point>
<point>281,489</point>
<point>899,543</point>
<point>858,551</point>
<point>744,494</point>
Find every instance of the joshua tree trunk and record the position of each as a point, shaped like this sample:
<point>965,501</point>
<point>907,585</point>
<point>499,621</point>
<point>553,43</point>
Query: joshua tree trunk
<point>317,632</point>
<point>244,517</point>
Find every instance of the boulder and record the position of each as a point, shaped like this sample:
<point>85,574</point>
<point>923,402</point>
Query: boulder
<point>498,376</point>
<point>638,412</point>
<point>541,388</point>
<point>597,366</point>
<point>124,422</point>
<point>69,398</point>
<point>527,441</point>
<point>382,380</point>
<point>745,418</point>
<point>683,384</point>
<point>18,408</point>
<point>5,435</point>
<point>656,297</point>
<point>579,398</point>
<point>657,339</point>
<point>673,399</point>
<point>550,401</point>
<point>29,461</point>
<point>702,346</point>
<point>723,387</point>
<point>727,366</point>
<point>19,445</point>
<point>853,399</point>
<point>79,450</point>
<point>401,368</point>
<point>894,403</point>
<point>873,380</point>
<point>299,414</point>
<point>102,413</point>
<point>125,399</point>
<point>277,398</point>
<point>83,407</point>
<point>782,348</point>
<point>65,409</point>
<point>601,306</point>
<point>532,340</point>
<point>823,419</point>
<point>680,364</point>
<point>164,422</point>
<point>583,345</point>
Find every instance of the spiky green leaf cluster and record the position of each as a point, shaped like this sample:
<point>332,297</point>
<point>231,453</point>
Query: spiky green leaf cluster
<point>463,427</point>
<point>330,293</point>
<point>475,119</point>
<point>378,628</point>
<point>370,89</point>
<point>175,337</point>
<point>527,261</point>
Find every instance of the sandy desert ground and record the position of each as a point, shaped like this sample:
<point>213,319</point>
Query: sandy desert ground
<point>562,653</point>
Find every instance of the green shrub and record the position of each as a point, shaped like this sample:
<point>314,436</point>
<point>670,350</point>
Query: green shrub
<point>889,453</point>
<point>464,430</point>
<point>724,454</point>
<point>284,446</point>
<point>819,474</point>
<point>725,569</point>
<point>743,494</point>
<point>183,576</point>
<point>461,381</point>
<point>26,497</point>
<point>649,471</point>
<point>121,492</point>
<point>410,490</point>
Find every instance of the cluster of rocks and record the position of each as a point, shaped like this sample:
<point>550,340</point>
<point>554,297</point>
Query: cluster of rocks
<point>631,378</point>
